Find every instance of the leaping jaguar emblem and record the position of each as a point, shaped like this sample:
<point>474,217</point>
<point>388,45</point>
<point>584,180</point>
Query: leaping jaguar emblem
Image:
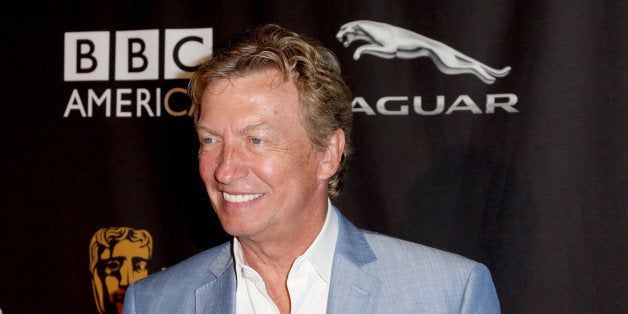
<point>389,41</point>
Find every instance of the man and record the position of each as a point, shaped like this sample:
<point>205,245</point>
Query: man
<point>273,120</point>
<point>118,256</point>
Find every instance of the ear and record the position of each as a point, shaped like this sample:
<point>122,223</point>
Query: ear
<point>332,155</point>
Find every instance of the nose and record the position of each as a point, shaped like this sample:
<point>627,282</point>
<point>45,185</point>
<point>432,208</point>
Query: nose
<point>231,165</point>
<point>126,275</point>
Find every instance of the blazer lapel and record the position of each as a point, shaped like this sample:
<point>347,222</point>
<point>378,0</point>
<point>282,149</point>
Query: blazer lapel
<point>351,288</point>
<point>218,296</point>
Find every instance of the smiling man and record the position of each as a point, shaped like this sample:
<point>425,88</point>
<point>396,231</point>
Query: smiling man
<point>273,120</point>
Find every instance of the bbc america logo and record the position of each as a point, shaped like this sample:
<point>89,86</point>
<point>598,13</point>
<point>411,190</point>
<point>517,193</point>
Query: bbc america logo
<point>137,54</point>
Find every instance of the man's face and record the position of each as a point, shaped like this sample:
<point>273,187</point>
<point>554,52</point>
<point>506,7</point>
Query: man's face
<point>124,264</point>
<point>258,165</point>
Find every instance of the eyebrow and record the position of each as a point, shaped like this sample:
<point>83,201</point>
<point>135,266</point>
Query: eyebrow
<point>204,128</point>
<point>253,127</point>
<point>244,131</point>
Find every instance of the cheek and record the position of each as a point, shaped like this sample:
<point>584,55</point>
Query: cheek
<point>112,283</point>
<point>206,166</point>
<point>277,163</point>
<point>282,169</point>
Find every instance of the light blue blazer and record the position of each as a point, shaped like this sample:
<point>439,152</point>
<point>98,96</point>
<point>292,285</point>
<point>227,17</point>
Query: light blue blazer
<point>371,273</point>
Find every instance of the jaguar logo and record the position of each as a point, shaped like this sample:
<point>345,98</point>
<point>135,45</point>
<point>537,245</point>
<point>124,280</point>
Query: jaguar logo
<point>389,41</point>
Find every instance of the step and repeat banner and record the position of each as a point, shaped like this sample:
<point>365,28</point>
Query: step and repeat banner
<point>492,129</point>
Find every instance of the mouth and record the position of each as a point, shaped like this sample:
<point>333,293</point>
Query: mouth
<point>118,296</point>
<point>342,37</point>
<point>346,38</point>
<point>240,198</point>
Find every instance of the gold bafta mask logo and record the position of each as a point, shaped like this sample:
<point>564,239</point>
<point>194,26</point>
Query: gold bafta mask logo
<point>118,256</point>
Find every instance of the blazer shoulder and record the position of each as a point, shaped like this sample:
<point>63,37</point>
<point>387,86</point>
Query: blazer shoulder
<point>174,289</point>
<point>391,250</point>
<point>453,281</point>
<point>193,271</point>
<point>406,276</point>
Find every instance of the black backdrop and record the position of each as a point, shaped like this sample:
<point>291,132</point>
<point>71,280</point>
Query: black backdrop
<point>538,195</point>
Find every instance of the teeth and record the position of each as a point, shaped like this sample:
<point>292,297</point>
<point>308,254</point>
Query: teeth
<point>241,198</point>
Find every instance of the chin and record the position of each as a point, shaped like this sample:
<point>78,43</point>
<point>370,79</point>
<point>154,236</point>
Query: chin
<point>238,229</point>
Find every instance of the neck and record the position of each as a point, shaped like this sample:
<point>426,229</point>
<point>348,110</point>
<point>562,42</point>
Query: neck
<point>280,251</point>
<point>272,258</point>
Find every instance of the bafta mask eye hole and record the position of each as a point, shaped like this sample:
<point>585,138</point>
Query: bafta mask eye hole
<point>140,266</point>
<point>112,265</point>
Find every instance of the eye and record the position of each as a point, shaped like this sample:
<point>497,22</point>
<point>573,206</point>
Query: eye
<point>256,140</point>
<point>139,265</point>
<point>206,140</point>
<point>112,266</point>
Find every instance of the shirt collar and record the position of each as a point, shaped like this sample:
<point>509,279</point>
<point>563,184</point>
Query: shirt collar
<point>321,251</point>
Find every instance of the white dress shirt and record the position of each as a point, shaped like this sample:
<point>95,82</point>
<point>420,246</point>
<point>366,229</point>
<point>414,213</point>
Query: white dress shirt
<point>308,279</point>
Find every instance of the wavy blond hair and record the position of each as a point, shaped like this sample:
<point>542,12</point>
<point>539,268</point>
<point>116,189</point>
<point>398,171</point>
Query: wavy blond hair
<point>324,97</point>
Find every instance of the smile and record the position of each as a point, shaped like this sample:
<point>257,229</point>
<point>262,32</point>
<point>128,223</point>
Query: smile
<point>241,198</point>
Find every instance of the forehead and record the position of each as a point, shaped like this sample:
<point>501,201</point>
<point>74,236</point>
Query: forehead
<point>128,248</point>
<point>260,92</point>
<point>262,81</point>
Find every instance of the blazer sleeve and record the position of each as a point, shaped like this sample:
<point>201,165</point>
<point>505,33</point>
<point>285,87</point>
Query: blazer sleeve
<point>480,295</point>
